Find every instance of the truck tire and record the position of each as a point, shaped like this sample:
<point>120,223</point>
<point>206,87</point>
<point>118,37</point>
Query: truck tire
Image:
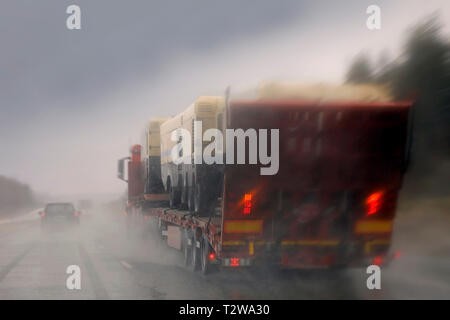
<point>187,249</point>
<point>195,256</point>
<point>205,250</point>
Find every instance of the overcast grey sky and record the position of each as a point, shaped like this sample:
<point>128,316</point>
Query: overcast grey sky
<point>71,102</point>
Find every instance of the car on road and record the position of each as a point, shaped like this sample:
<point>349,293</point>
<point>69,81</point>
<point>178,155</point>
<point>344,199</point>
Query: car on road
<point>59,215</point>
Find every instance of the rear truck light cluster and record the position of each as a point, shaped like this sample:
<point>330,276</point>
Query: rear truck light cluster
<point>236,262</point>
<point>247,203</point>
<point>374,202</point>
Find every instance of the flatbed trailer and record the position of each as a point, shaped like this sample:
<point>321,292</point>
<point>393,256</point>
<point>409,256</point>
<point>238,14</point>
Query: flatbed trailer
<point>183,231</point>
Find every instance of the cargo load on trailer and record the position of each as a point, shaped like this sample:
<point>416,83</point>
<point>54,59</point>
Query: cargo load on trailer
<point>324,92</point>
<point>194,185</point>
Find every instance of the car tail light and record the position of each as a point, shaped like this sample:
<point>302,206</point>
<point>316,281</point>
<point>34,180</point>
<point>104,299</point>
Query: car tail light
<point>247,203</point>
<point>374,202</point>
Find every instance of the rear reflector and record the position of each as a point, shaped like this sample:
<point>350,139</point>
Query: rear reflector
<point>373,226</point>
<point>243,226</point>
<point>236,262</point>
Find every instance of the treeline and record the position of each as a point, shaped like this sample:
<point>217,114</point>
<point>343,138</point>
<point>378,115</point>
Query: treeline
<point>422,71</point>
<point>14,196</point>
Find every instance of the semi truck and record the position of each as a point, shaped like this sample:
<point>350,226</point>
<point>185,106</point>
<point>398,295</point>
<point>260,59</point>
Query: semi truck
<point>331,203</point>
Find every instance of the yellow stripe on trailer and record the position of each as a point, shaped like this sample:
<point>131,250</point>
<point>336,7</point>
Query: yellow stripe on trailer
<point>369,244</point>
<point>373,226</point>
<point>310,242</point>
<point>233,243</point>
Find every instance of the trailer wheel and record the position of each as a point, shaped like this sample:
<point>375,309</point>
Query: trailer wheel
<point>205,249</point>
<point>187,249</point>
<point>195,260</point>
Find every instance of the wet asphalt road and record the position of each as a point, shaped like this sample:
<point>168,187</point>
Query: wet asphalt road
<point>33,266</point>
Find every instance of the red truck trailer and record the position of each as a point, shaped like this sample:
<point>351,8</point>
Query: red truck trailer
<point>332,202</point>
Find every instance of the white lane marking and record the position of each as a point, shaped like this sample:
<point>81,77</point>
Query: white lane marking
<point>126,264</point>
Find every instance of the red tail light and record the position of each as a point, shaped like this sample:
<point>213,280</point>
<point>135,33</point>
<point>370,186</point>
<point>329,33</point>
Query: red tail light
<point>76,214</point>
<point>378,260</point>
<point>247,203</point>
<point>212,256</point>
<point>42,214</point>
<point>374,202</point>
